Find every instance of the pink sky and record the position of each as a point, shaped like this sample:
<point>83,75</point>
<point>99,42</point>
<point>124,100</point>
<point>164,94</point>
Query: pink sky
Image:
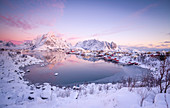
<point>133,23</point>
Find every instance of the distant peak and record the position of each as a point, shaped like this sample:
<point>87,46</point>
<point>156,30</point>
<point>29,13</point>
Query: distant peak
<point>50,33</point>
<point>94,44</point>
<point>95,39</point>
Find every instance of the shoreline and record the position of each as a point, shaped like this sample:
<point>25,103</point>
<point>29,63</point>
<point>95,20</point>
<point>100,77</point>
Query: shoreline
<point>18,94</point>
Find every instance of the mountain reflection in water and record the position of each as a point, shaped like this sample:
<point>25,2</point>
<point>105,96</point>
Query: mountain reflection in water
<point>75,69</point>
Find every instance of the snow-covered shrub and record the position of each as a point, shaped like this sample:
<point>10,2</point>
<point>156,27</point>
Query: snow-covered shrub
<point>144,93</point>
<point>118,86</point>
<point>164,75</point>
<point>91,91</point>
<point>100,88</point>
<point>148,80</point>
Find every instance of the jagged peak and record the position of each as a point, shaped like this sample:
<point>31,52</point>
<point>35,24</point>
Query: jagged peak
<point>50,33</point>
<point>50,41</point>
<point>94,44</point>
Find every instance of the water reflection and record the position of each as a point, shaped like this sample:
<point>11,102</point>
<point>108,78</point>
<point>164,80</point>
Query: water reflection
<point>74,69</point>
<point>50,58</point>
<point>88,58</point>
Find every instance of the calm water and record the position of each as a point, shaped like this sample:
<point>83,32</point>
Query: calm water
<point>74,69</point>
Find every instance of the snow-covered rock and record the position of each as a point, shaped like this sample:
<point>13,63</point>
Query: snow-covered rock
<point>56,74</point>
<point>96,45</point>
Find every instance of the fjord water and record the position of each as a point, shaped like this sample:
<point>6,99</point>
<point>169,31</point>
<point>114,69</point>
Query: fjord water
<point>74,69</point>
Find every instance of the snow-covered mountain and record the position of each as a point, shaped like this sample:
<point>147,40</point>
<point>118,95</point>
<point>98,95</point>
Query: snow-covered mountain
<point>127,49</point>
<point>25,45</point>
<point>6,45</point>
<point>96,45</point>
<point>49,42</point>
<point>45,42</point>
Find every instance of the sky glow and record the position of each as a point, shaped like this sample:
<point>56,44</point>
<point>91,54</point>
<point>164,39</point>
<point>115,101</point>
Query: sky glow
<point>139,23</point>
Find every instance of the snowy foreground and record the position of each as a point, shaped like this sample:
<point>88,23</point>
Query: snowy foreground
<point>16,93</point>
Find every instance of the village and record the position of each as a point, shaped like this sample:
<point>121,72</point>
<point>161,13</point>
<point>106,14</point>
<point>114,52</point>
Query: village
<point>120,57</point>
<point>11,75</point>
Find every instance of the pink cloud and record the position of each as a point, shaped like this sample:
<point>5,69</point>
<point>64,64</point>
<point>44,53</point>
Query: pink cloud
<point>16,22</point>
<point>112,31</point>
<point>46,22</point>
<point>167,42</point>
<point>96,35</point>
<point>74,38</point>
<point>58,4</point>
<point>60,34</point>
<point>9,4</point>
<point>128,25</point>
<point>34,18</point>
<point>141,11</point>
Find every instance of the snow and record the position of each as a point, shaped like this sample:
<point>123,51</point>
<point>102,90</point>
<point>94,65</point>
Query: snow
<point>28,70</point>
<point>162,100</point>
<point>13,87</point>
<point>27,45</point>
<point>56,74</point>
<point>47,42</point>
<point>7,45</point>
<point>148,62</point>
<point>95,45</point>
<point>50,42</point>
<point>16,92</point>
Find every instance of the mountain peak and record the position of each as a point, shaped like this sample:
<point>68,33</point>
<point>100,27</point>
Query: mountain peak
<point>51,33</point>
<point>50,41</point>
<point>6,44</point>
<point>94,44</point>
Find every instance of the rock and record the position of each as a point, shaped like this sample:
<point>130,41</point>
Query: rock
<point>30,98</point>
<point>28,70</point>
<point>56,74</point>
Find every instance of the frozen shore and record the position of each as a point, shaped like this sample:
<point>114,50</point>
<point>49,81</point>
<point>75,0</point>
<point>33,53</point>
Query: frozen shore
<point>16,93</point>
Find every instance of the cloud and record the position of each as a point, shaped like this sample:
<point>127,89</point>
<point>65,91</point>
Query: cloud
<point>74,38</point>
<point>60,5</point>
<point>128,24</point>
<point>45,22</point>
<point>16,22</point>
<point>150,45</point>
<point>141,11</point>
<point>112,31</point>
<point>162,46</point>
<point>57,5</point>
<point>37,13</point>
<point>144,48</point>
<point>167,42</point>
<point>61,34</point>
